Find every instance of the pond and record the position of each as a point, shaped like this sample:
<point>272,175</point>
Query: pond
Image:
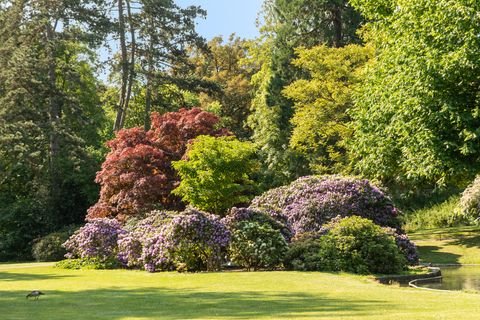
<point>456,278</point>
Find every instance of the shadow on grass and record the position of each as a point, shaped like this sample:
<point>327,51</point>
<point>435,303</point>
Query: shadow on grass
<point>432,254</point>
<point>161,303</point>
<point>13,276</point>
<point>467,241</point>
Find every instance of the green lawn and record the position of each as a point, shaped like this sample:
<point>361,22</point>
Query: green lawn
<point>120,294</point>
<point>450,245</point>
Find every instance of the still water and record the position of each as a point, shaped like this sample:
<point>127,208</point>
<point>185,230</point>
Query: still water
<point>456,278</point>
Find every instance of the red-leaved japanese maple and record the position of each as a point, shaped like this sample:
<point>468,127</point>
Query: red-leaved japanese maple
<point>137,172</point>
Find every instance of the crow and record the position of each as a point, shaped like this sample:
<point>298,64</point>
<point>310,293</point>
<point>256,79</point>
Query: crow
<point>35,294</point>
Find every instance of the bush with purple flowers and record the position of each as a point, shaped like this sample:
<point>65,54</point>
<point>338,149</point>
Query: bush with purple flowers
<point>406,246</point>
<point>97,239</point>
<point>310,202</point>
<point>197,240</point>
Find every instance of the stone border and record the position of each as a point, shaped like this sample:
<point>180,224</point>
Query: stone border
<point>434,272</point>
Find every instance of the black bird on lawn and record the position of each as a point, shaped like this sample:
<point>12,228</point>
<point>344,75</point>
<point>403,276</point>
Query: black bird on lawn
<point>35,294</point>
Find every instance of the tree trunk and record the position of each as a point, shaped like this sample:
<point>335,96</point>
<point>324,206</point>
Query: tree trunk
<point>337,27</point>
<point>148,92</point>
<point>124,63</point>
<point>131,67</point>
<point>55,109</point>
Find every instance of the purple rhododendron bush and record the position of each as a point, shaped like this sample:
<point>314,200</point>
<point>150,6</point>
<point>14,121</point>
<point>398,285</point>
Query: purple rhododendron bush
<point>190,240</point>
<point>309,203</point>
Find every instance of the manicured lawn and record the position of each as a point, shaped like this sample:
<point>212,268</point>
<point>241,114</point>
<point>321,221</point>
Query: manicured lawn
<point>451,245</point>
<point>121,294</point>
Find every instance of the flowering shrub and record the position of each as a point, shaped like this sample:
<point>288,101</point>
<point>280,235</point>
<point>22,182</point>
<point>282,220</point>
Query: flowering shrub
<point>165,240</point>
<point>310,202</point>
<point>407,247</point>
<point>258,240</point>
<point>143,246</point>
<point>256,245</point>
<point>239,215</point>
<point>130,250</point>
<point>97,239</point>
<point>470,200</point>
<point>196,239</point>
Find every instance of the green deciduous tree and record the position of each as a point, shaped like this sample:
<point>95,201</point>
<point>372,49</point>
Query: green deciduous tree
<point>216,173</point>
<point>320,122</point>
<point>417,115</point>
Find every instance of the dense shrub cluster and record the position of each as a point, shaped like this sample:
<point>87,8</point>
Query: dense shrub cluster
<point>316,223</point>
<point>49,247</point>
<point>162,241</point>
<point>258,241</point>
<point>352,244</point>
<point>196,239</point>
<point>310,202</point>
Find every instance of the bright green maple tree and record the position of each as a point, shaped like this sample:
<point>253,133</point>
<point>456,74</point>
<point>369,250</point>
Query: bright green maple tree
<point>217,173</point>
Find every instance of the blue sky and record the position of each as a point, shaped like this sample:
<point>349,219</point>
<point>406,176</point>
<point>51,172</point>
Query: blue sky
<point>226,16</point>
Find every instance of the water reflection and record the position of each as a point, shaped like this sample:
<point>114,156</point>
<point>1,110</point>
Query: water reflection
<point>456,278</point>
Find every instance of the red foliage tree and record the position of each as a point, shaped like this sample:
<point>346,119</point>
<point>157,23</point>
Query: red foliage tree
<point>137,172</point>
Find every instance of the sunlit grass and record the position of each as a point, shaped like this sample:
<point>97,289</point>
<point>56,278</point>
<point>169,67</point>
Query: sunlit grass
<point>449,245</point>
<point>121,294</point>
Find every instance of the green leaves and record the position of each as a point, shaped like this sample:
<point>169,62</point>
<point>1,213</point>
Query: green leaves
<point>417,108</point>
<point>216,173</point>
<point>320,121</point>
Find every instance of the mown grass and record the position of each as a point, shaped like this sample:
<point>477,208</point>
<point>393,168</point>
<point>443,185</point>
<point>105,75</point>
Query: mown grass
<point>460,245</point>
<point>122,294</point>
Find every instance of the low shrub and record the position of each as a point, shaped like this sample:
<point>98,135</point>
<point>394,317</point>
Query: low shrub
<point>310,202</point>
<point>351,244</point>
<point>87,263</point>
<point>304,253</point>
<point>197,239</point>
<point>189,241</point>
<point>49,247</point>
<point>257,245</point>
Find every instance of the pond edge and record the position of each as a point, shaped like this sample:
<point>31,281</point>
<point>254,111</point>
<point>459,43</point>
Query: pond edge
<point>434,272</point>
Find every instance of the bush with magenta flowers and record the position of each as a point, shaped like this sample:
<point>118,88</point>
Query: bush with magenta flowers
<point>310,202</point>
